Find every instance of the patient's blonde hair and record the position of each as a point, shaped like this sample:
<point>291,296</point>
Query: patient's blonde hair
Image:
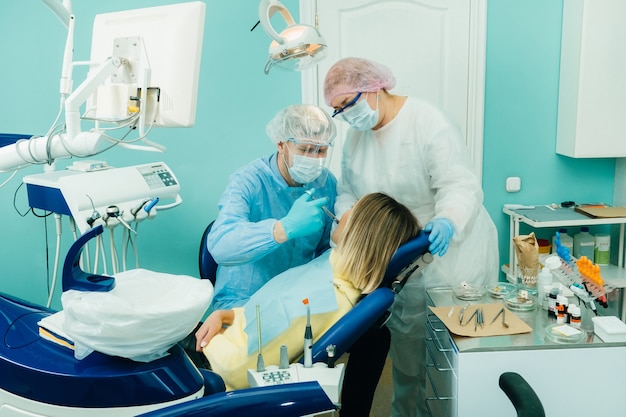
<point>375,228</point>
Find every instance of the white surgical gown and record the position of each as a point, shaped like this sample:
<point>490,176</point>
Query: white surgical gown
<point>420,159</point>
<point>242,240</point>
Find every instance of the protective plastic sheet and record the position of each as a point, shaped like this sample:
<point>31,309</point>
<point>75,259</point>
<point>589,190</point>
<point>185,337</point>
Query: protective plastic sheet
<point>141,318</point>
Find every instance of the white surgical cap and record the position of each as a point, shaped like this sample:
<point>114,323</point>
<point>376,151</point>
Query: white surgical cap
<point>356,75</point>
<point>303,122</point>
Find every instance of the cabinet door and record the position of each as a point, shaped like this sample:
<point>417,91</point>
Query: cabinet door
<point>436,49</point>
<point>592,85</point>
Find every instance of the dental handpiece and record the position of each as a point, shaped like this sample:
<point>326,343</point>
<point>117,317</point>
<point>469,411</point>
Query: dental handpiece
<point>308,337</point>
<point>328,212</point>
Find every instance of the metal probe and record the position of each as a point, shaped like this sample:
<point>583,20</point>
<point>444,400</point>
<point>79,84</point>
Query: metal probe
<point>328,212</point>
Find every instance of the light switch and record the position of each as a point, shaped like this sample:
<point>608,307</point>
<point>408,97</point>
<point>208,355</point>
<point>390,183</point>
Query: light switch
<point>513,184</point>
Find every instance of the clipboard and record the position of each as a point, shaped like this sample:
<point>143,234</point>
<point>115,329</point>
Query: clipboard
<point>602,212</point>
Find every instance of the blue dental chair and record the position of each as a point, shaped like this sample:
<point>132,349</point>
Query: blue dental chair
<point>39,377</point>
<point>409,259</point>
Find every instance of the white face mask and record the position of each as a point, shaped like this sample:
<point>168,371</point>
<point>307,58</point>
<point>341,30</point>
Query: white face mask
<point>361,116</point>
<point>304,169</point>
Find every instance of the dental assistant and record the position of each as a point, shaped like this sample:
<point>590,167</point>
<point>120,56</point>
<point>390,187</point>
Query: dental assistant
<point>411,150</point>
<point>267,222</point>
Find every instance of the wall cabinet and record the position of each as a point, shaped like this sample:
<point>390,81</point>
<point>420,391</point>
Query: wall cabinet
<point>592,86</point>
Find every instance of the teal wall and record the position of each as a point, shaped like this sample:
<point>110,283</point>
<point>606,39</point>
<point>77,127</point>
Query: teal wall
<point>236,100</point>
<point>521,102</point>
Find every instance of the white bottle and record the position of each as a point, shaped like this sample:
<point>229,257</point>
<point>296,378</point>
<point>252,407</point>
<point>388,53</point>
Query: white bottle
<point>566,240</point>
<point>584,244</point>
<point>544,281</point>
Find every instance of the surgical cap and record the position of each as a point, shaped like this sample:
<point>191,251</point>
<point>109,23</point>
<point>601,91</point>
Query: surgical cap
<point>354,75</point>
<point>303,122</point>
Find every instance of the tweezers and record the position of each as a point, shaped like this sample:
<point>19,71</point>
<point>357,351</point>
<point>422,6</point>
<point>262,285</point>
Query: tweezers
<point>471,317</point>
<point>462,312</point>
<point>498,315</point>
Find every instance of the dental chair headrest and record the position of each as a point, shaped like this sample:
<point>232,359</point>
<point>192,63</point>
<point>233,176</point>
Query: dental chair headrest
<point>405,256</point>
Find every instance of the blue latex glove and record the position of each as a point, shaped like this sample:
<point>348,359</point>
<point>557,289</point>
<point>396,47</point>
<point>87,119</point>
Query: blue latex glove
<point>305,217</point>
<point>441,231</point>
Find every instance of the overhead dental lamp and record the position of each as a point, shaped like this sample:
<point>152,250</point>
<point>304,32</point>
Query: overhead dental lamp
<point>297,47</point>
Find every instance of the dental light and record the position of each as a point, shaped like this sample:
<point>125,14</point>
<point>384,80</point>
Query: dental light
<point>297,47</point>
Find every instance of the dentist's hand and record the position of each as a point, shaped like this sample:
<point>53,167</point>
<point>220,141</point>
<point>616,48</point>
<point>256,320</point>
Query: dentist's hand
<point>441,231</point>
<point>305,217</point>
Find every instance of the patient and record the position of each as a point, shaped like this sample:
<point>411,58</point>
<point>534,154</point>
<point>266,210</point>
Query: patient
<point>332,283</point>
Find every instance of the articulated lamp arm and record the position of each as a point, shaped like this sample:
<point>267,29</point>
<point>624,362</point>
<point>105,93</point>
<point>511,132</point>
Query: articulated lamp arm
<point>72,143</point>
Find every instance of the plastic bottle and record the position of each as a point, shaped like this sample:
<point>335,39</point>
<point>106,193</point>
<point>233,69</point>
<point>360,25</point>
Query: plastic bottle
<point>584,244</point>
<point>552,303</point>
<point>566,240</point>
<point>544,280</point>
<point>575,319</point>
<point>561,307</point>
<point>602,253</point>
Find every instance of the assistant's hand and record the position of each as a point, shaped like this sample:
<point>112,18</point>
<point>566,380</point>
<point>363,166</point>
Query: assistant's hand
<point>304,217</point>
<point>213,325</point>
<point>441,231</point>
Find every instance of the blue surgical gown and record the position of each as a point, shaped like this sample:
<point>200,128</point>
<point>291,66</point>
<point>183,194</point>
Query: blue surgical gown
<point>242,240</point>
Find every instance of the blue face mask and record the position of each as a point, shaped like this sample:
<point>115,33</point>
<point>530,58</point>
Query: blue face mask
<point>361,116</point>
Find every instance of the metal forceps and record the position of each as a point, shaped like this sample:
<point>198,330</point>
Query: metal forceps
<point>328,212</point>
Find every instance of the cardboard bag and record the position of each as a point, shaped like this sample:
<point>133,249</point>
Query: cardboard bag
<point>527,251</point>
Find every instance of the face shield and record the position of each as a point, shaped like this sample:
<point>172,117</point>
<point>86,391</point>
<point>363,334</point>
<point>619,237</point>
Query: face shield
<point>307,162</point>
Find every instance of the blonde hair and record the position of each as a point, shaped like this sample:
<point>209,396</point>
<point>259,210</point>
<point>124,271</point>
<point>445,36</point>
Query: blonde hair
<point>376,227</point>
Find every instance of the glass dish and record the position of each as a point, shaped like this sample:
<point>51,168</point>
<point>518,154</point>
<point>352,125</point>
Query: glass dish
<point>468,292</point>
<point>516,303</point>
<point>564,334</point>
<point>501,290</point>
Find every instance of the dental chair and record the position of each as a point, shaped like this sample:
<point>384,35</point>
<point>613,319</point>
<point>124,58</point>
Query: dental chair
<point>41,378</point>
<point>410,259</point>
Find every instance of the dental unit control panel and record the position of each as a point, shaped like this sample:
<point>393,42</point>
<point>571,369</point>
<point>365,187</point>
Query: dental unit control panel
<point>105,195</point>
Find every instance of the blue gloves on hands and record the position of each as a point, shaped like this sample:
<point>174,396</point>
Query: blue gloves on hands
<point>305,217</point>
<point>441,231</point>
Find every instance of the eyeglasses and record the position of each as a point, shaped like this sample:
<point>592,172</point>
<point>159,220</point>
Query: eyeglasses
<point>347,106</point>
<point>307,148</point>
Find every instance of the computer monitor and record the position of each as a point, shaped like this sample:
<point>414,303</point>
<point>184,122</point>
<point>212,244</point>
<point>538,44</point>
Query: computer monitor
<point>172,44</point>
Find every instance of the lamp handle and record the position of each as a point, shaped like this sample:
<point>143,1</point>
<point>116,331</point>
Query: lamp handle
<point>267,8</point>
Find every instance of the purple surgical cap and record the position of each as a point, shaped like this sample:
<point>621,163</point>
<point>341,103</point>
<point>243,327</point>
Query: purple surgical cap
<point>354,75</point>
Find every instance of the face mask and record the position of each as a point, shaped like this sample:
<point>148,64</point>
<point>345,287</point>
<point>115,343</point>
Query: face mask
<point>305,169</point>
<point>361,116</point>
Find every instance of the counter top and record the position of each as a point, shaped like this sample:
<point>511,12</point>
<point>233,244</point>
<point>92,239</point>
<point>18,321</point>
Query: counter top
<point>538,320</point>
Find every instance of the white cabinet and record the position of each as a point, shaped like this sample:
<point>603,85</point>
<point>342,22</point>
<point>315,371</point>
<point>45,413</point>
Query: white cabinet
<point>463,372</point>
<point>592,86</point>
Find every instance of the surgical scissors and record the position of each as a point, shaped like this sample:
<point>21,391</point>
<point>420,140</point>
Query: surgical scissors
<point>328,212</point>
